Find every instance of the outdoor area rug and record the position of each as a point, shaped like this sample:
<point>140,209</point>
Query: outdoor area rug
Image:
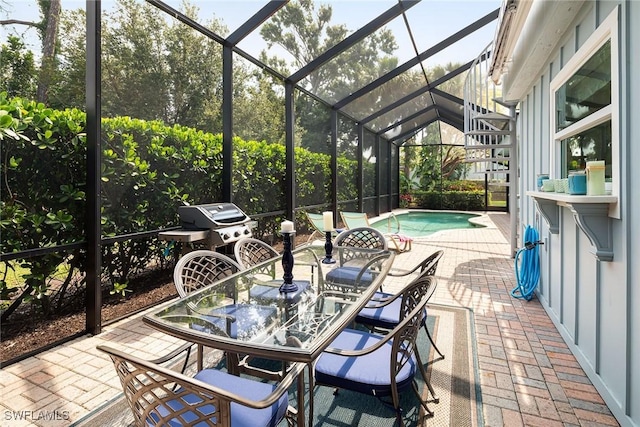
<point>454,378</point>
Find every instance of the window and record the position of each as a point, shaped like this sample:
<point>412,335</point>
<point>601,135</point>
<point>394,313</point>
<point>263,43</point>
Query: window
<point>588,90</point>
<point>592,144</point>
<point>584,97</point>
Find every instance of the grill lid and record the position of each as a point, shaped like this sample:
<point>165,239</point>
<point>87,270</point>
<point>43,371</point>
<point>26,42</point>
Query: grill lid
<point>211,216</point>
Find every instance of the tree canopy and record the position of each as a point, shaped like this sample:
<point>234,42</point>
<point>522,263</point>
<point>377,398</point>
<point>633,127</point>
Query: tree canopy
<point>157,68</point>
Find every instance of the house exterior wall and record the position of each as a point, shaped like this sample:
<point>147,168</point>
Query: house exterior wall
<point>594,304</point>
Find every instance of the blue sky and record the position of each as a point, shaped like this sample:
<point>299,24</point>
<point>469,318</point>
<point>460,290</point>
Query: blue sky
<point>431,21</point>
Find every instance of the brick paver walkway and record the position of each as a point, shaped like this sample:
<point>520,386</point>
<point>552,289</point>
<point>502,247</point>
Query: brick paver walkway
<point>528,375</point>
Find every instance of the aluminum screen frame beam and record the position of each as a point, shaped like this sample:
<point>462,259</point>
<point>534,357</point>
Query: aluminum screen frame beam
<point>357,36</point>
<point>254,22</point>
<point>407,119</point>
<point>418,92</point>
<point>93,230</point>
<point>227,91</point>
<point>446,117</point>
<point>186,20</point>
<point>490,17</point>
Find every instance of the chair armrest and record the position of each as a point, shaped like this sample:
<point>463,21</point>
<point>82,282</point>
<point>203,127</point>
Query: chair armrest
<point>417,311</point>
<point>383,301</point>
<point>172,355</point>
<point>427,264</point>
<point>362,352</point>
<point>188,382</point>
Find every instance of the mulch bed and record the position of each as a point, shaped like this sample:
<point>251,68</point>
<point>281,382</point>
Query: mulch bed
<point>25,332</point>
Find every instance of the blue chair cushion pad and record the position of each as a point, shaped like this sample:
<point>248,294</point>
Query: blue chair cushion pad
<point>348,276</point>
<point>367,374</point>
<point>241,416</point>
<point>386,317</point>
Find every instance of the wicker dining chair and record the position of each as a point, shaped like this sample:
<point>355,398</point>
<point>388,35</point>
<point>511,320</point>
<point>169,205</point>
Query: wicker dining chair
<point>383,312</point>
<point>249,252</point>
<point>201,268</point>
<point>395,239</point>
<point>360,237</point>
<point>381,365</point>
<point>159,396</point>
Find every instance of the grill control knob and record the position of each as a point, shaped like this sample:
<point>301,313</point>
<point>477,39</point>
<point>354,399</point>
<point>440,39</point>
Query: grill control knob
<point>225,236</point>
<point>246,231</point>
<point>237,233</point>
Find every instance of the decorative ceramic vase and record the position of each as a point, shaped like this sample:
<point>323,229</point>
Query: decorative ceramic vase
<point>547,185</point>
<point>540,179</point>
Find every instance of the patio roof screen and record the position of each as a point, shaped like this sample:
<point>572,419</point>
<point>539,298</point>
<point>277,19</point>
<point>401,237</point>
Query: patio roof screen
<point>258,182</point>
<point>401,110</point>
<point>358,57</point>
<point>410,123</point>
<point>386,93</point>
<point>313,161</point>
<point>355,67</point>
<point>369,159</point>
<point>347,151</point>
<point>303,31</point>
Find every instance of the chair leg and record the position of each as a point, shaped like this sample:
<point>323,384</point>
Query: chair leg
<point>186,360</point>
<point>422,402</point>
<point>431,341</point>
<point>436,399</point>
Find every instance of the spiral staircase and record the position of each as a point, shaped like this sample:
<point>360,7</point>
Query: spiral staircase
<point>490,133</point>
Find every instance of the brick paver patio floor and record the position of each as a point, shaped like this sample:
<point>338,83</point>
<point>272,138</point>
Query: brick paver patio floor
<point>528,375</point>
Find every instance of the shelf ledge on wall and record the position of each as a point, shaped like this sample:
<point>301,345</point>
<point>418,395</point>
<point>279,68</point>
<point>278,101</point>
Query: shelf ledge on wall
<point>591,214</point>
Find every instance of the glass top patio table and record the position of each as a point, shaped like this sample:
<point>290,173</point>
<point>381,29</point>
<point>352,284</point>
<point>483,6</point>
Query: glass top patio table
<point>247,314</point>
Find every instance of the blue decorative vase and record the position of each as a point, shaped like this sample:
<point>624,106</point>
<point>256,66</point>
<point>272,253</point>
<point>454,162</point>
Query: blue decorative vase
<point>577,183</point>
<point>540,179</point>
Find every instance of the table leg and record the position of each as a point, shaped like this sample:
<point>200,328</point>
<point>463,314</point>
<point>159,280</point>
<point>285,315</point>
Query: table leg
<point>301,400</point>
<point>311,386</point>
<point>200,357</point>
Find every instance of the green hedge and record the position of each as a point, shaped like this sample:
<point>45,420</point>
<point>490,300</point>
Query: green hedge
<point>449,200</point>
<point>148,170</point>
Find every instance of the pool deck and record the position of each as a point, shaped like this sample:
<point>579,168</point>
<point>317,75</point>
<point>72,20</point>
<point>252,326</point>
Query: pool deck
<point>528,375</point>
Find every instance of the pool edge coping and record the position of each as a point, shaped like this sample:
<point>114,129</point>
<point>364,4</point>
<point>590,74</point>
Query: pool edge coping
<point>480,220</point>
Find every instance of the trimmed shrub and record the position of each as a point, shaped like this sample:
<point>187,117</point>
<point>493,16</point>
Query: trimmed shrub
<point>148,169</point>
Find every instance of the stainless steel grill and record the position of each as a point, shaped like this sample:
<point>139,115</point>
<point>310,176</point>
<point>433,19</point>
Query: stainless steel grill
<point>225,222</point>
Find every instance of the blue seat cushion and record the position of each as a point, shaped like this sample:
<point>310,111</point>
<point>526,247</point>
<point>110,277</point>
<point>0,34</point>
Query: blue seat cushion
<point>349,275</point>
<point>250,319</point>
<point>241,416</point>
<point>386,317</point>
<point>368,374</point>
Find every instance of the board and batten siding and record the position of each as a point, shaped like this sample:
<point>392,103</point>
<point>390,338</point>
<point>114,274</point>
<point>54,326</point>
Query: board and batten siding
<point>594,304</point>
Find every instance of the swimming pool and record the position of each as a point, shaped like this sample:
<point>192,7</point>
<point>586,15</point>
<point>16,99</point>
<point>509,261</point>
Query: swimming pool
<point>420,224</point>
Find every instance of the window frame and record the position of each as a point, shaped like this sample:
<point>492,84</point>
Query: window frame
<point>607,31</point>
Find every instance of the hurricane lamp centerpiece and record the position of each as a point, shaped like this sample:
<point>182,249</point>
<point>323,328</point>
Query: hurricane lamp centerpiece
<point>327,220</point>
<point>286,229</point>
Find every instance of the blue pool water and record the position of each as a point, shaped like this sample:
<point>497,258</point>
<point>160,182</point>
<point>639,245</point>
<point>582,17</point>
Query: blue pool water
<point>419,224</point>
